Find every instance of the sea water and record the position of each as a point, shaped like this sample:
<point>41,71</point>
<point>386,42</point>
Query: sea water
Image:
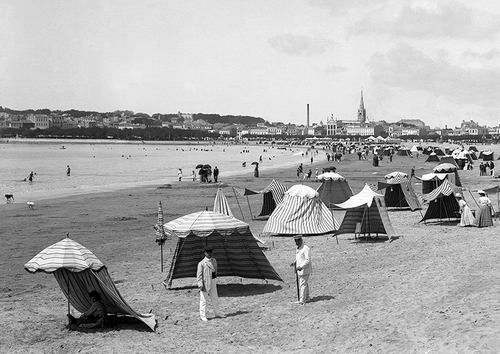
<point>98,166</point>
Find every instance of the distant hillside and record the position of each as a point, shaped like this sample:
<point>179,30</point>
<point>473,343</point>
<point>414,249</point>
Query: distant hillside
<point>215,118</point>
<point>210,118</point>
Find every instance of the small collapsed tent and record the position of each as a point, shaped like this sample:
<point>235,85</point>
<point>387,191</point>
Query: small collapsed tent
<point>442,202</point>
<point>486,155</point>
<point>404,152</point>
<point>432,157</point>
<point>235,248</point>
<point>439,152</point>
<point>451,170</point>
<point>273,195</point>
<point>301,212</point>
<point>367,208</point>
<point>398,192</point>
<point>78,271</point>
<point>448,159</point>
<point>334,189</point>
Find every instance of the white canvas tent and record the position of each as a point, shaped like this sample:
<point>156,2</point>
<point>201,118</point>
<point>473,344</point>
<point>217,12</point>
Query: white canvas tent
<point>300,212</point>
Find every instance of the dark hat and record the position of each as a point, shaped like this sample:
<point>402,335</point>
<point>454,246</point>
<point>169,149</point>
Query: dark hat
<point>209,249</point>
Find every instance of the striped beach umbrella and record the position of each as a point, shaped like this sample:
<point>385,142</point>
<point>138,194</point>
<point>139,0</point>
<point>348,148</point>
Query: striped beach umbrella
<point>220,204</point>
<point>67,254</point>
<point>203,223</point>
<point>161,236</point>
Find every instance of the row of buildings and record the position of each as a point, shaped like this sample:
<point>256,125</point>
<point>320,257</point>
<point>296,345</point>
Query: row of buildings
<point>333,127</point>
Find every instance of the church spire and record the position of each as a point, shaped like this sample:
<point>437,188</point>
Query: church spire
<point>362,110</point>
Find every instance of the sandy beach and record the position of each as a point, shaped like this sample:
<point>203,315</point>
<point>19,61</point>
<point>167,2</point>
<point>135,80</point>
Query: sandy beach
<point>432,290</point>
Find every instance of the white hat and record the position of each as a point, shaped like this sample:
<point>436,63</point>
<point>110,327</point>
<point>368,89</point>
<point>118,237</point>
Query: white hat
<point>458,195</point>
<point>481,192</point>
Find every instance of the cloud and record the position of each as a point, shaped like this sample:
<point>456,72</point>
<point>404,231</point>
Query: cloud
<point>452,20</point>
<point>340,7</point>
<point>299,45</point>
<point>490,55</point>
<point>335,69</point>
<point>407,68</point>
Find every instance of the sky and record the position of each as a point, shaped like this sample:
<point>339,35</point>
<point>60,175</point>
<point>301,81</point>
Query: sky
<point>438,61</point>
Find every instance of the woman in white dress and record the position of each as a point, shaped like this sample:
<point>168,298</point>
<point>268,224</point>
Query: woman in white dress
<point>466,216</point>
<point>483,217</point>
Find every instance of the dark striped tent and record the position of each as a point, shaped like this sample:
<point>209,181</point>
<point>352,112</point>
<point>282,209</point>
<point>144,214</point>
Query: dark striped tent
<point>273,195</point>
<point>433,157</point>
<point>334,189</point>
<point>399,192</point>
<point>235,248</point>
<point>78,271</point>
<point>366,214</point>
<point>442,202</point>
<point>451,170</point>
<point>301,213</point>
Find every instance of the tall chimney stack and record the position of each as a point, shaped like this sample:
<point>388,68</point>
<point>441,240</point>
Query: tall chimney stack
<point>307,126</point>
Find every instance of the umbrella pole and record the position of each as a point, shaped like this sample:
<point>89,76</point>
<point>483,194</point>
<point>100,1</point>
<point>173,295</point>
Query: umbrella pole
<point>161,257</point>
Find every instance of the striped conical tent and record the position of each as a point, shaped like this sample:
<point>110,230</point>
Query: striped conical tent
<point>78,271</point>
<point>366,209</point>
<point>399,192</point>
<point>301,212</point>
<point>235,248</point>
<point>220,203</point>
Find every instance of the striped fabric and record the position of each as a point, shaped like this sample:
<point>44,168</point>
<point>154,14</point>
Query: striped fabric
<point>400,195</point>
<point>396,177</point>
<point>442,202</point>
<point>161,236</point>
<point>78,271</point>
<point>273,195</point>
<point>80,284</point>
<point>221,205</point>
<point>203,224</point>
<point>66,254</point>
<point>301,212</point>
<point>367,208</point>
<point>372,217</point>
<point>237,254</point>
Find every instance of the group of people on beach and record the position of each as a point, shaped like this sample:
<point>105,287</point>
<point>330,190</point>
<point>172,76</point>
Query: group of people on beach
<point>483,217</point>
<point>206,277</point>
<point>484,166</point>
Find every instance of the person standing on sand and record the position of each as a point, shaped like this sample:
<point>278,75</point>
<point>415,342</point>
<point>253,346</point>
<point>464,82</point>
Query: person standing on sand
<point>179,174</point>
<point>206,275</point>
<point>303,269</point>
<point>216,174</point>
<point>466,216</point>
<point>68,171</point>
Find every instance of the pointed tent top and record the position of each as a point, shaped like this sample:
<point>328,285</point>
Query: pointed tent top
<point>365,197</point>
<point>303,191</point>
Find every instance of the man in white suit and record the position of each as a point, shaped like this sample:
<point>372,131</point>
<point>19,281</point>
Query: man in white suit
<point>303,267</point>
<point>207,283</point>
